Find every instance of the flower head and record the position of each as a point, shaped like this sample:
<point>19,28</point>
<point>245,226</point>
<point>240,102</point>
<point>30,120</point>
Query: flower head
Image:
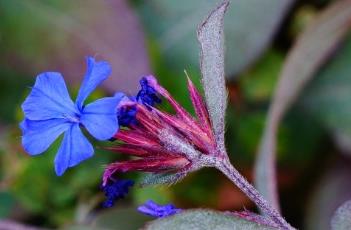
<point>153,209</point>
<point>163,142</point>
<point>49,112</point>
<point>116,190</point>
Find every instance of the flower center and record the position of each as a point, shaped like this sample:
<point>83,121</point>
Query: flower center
<point>72,118</point>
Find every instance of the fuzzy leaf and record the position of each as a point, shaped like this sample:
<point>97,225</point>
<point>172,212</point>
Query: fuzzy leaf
<point>211,38</point>
<point>203,219</point>
<point>126,218</point>
<point>310,51</point>
<point>342,217</point>
<point>156,179</point>
<point>250,216</point>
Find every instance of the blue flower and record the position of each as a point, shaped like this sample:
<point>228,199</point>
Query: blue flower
<point>147,94</point>
<point>49,112</point>
<point>115,191</point>
<point>152,209</point>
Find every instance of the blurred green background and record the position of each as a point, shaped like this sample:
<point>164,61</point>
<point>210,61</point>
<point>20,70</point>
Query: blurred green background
<point>159,36</point>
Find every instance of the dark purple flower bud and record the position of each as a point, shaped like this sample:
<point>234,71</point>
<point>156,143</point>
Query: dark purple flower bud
<point>153,209</point>
<point>147,94</point>
<point>126,115</point>
<point>116,190</point>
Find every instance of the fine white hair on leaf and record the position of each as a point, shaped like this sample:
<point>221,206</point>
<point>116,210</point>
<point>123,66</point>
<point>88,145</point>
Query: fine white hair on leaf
<point>211,38</point>
<point>176,144</point>
<point>342,217</point>
<point>157,179</point>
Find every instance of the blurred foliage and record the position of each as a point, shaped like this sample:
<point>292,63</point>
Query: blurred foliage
<point>72,30</point>
<point>159,194</point>
<point>332,191</point>
<point>258,83</point>
<point>41,192</point>
<point>6,201</point>
<point>312,48</point>
<point>189,190</point>
<point>172,24</point>
<point>310,137</point>
<point>331,91</point>
<point>299,136</point>
<point>11,89</point>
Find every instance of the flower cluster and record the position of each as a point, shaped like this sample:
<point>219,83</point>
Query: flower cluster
<point>163,143</point>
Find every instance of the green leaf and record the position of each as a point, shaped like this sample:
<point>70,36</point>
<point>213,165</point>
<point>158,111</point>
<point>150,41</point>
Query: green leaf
<point>159,194</point>
<point>342,217</point>
<point>310,51</point>
<point>204,220</point>
<point>258,83</point>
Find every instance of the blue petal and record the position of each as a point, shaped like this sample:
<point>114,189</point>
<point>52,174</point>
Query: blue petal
<point>96,73</point>
<point>153,209</point>
<point>48,99</point>
<point>100,117</point>
<point>39,135</point>
<point>74,149</point>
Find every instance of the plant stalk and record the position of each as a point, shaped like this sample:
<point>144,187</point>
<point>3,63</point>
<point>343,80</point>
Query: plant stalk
<point>227,169</point>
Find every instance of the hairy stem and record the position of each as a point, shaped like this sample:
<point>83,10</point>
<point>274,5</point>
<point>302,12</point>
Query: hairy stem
<point>227,169</point>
